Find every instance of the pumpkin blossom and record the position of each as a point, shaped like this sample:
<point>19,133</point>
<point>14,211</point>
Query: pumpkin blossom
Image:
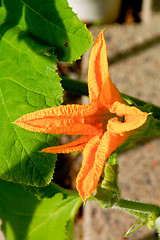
<point>104,124</point>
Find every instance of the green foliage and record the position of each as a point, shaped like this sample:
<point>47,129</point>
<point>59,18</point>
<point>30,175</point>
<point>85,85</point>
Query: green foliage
<point>26,217</point>
<point>33,35</point>
<point>28,82</point>
<point>51,22</point>
<point>29,37</point>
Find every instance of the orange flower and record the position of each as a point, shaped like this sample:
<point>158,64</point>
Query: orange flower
<point>104,124</point>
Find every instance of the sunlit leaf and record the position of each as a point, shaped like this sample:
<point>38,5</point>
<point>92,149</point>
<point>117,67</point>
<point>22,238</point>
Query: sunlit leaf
<point>28,82</point>
<point>26,217</point>
<point>53,23</point>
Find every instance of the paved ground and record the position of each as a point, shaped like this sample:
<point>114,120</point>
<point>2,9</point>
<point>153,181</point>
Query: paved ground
<point>134,60</point>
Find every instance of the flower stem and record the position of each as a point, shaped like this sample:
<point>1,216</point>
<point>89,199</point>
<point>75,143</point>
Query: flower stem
<point>124,204</point>
<point>75,86</point>
<point>146,213</point>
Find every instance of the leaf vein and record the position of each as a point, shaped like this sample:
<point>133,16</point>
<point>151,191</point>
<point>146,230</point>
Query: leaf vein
<point>51,23</point>
<point>19,138</point>
<point>51,216</point>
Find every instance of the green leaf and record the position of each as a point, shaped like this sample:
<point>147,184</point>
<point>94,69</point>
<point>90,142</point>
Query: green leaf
<point>12,17</point>
<point>2,14</point>
<point>26,217</point>
<point>53,23</point>
<point>28,82</point>
<point>108,193</point>
<point>49,191</point>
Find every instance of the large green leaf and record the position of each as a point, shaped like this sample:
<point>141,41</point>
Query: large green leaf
<point>54,23</point>
<point>28,82</point>
<point>26,217</point>
<point>12,17</point>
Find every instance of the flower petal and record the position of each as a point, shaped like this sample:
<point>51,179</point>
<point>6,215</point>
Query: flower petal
<point>133,118</point>
<point>69,119</point>
<point>85,178</point>
<point>95,154</point>
<point>101,89</point>
<point>75,146</point>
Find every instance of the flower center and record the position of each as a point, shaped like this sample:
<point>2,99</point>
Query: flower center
<point>121,119</point>
<point>109,116</point>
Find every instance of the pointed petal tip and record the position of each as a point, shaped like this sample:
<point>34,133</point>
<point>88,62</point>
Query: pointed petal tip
<point>18,122</point>
<point>84,187</point>
<point>88,176</point>
<point>75,146</point>
<point>101,38</point>
<point>101,89</point>
<point>46,150</point>
<point>101,33</point>
<point>83,195</point>
<point>94,156</point>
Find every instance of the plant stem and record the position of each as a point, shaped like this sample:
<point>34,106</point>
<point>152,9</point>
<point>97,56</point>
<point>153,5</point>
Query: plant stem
<point>81,88</point>
<point>75,86</point>
<point>138,206</point>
